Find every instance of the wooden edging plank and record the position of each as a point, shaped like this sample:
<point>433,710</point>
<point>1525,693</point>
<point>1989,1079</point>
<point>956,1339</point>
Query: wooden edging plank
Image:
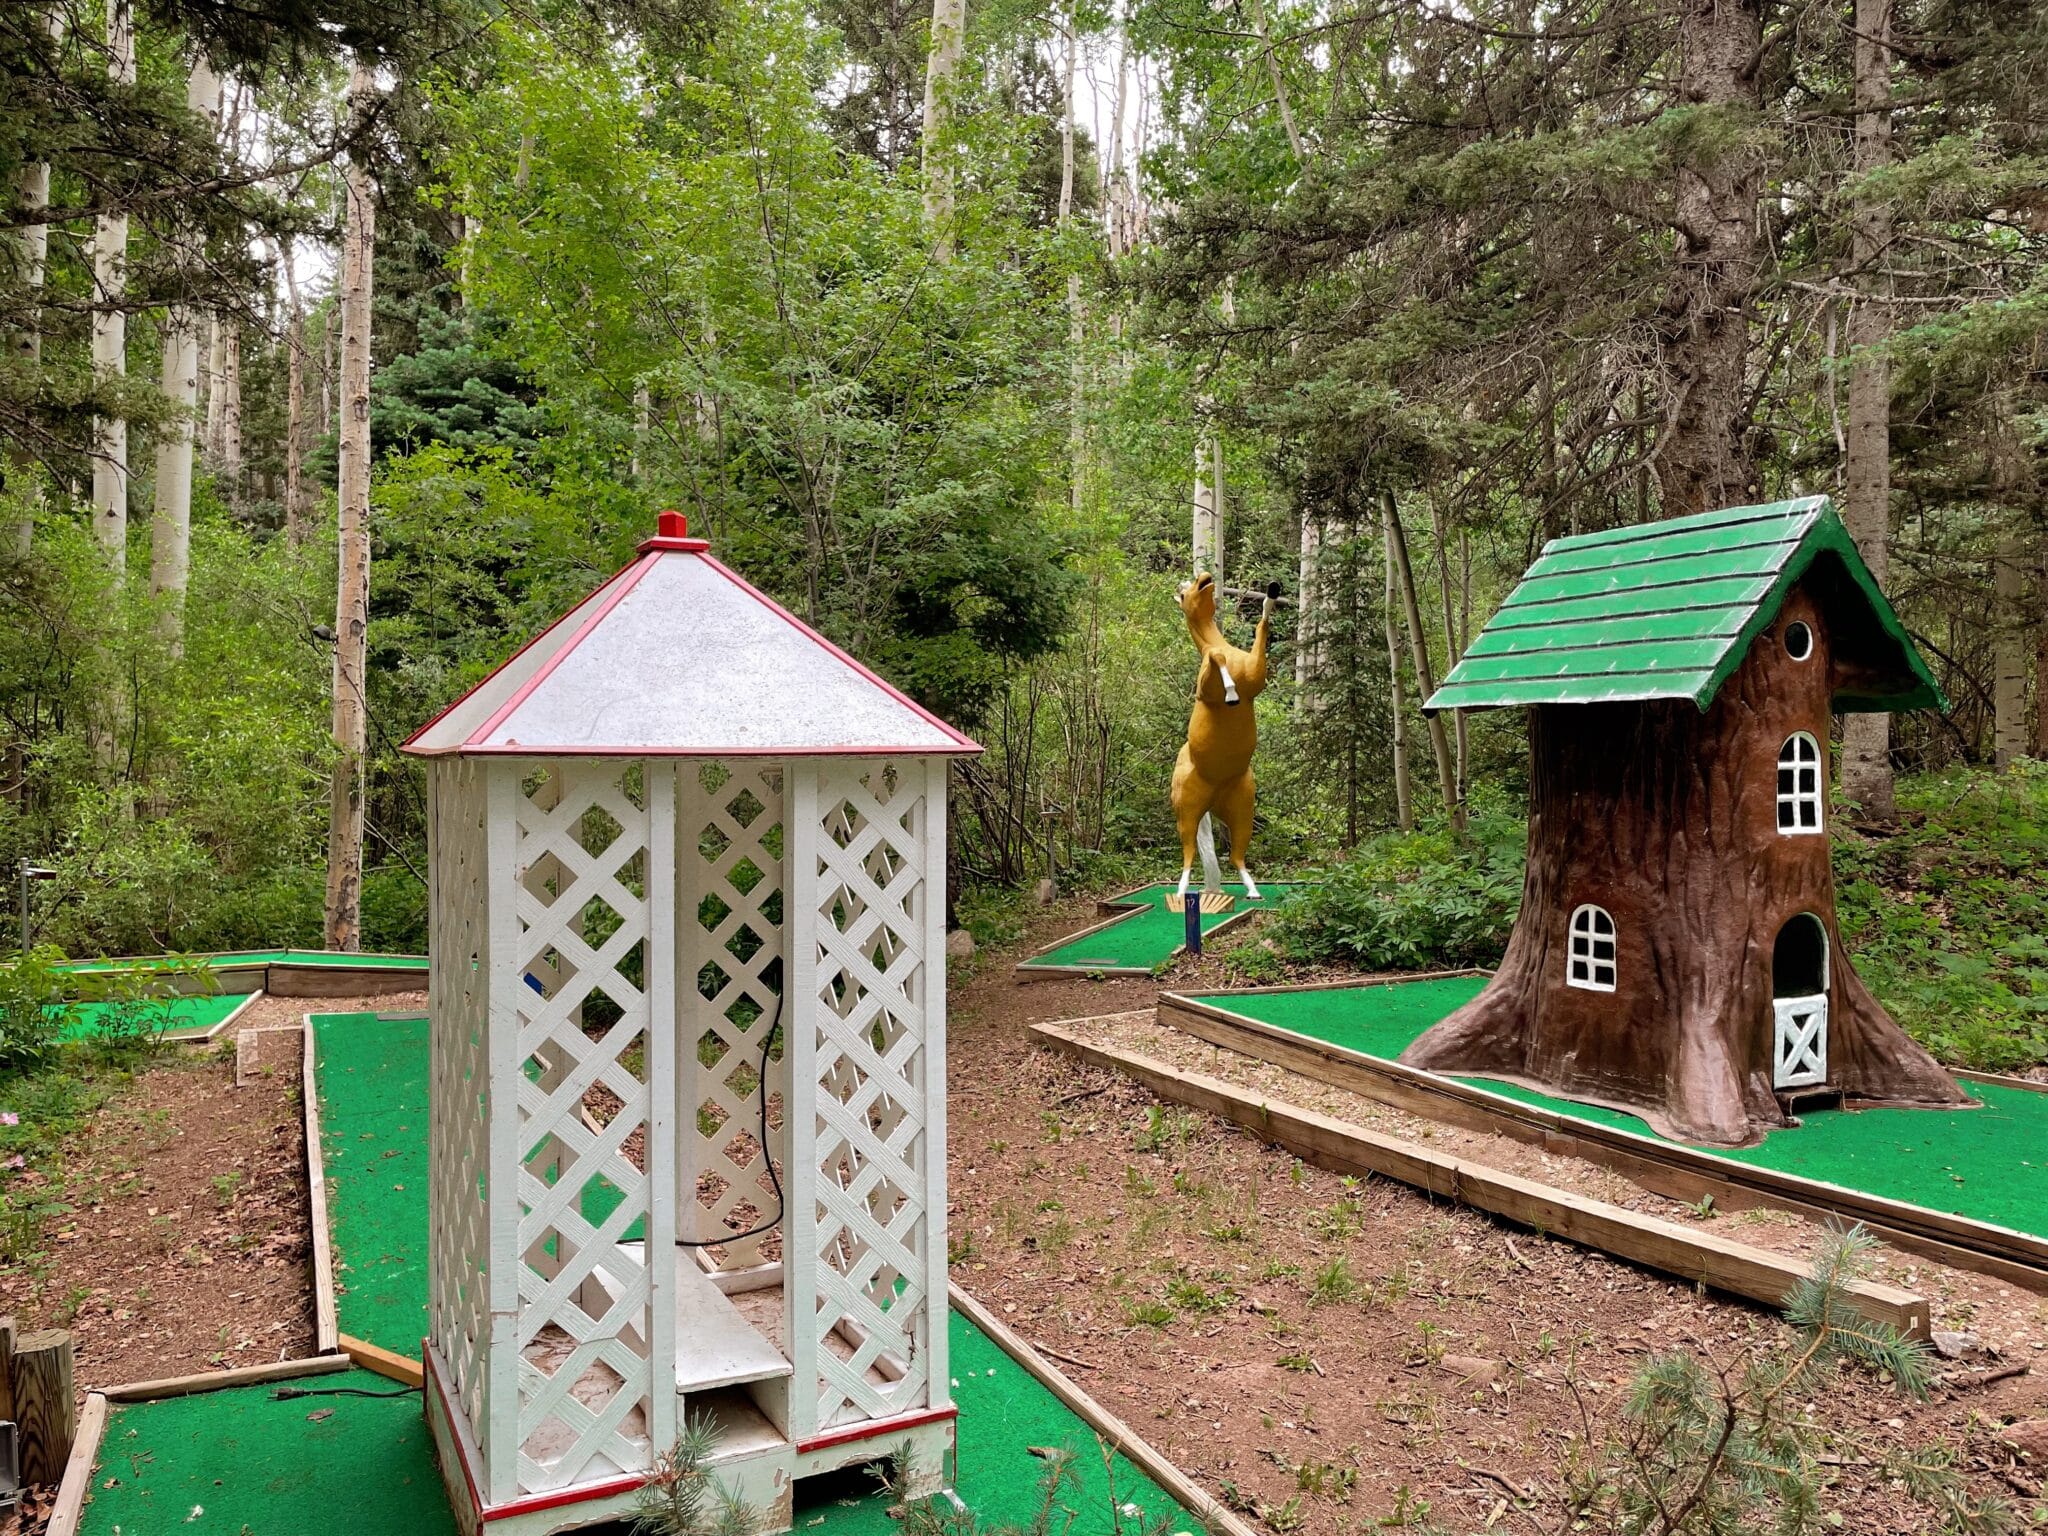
<point>1198,1501</point>
<point>385,1362</point>
<point>209,1035</point>
<point>326,1326</point>
<point>1699,1257</point>
<point>211,1381</point>
<point>77,1484</point>
<point>1665,1168</point>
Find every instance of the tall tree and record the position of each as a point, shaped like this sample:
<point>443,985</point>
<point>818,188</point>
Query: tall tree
<point>170,534</point>
<point>941,87</point>
<point>1704,459</point>
<point>295,511</point>
<point>352,588</point>
<point>110,324</point>
<point>1867,456</point>
<point>23,473</point>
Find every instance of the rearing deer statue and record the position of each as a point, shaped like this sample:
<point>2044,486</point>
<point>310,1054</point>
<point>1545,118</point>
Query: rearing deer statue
<point>1214,770</point>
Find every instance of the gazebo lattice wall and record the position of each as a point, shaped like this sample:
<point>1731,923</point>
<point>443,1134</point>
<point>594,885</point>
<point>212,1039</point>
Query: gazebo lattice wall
<point>688,1082</point>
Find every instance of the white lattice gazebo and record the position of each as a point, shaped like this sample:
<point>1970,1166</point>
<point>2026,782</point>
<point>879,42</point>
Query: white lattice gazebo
<point>688,896</point>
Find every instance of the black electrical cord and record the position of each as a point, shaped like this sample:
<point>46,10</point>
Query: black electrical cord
<point>781,1200</point>
<point>286,1394</point>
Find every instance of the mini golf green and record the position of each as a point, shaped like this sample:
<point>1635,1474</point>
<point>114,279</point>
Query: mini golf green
<point>249,957</point>
<point>1150,935</point>
<point>1989,1163</point>
<point>170,1018</point>
<point>238,1462</point>
<point>373,1131</point>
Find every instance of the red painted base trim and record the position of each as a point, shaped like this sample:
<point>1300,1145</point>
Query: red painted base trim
<point>533,1503</point>
<point>875,1428</point>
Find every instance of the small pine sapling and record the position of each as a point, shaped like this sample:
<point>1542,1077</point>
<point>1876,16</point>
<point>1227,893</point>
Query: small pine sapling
<point>682,1498</point>
<point>1721,1447</point>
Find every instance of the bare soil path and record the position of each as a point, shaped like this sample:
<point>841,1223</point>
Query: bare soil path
<point>1334,1355</point>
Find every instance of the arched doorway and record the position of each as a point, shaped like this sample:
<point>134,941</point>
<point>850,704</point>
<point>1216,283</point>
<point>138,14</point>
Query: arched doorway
<point>1799,997</point>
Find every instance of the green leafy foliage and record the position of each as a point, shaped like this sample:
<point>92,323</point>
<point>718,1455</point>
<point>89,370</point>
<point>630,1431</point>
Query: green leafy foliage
<point>1947,919</point>
<point>1411,901</point>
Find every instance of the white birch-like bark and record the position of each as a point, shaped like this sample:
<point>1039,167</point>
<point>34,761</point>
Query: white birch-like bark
<point>170,530</point>
<point>1425,679</point>
<point>24,474</point>
<point>1279,82</point>
<point>110,324</point>
<point>1404,790</point>
<point>295,509</point>
<point>352,586</point>
<point>231,410</point>
<point>1076,381</point>
<point>2011,619</point>
<point>941,84</point>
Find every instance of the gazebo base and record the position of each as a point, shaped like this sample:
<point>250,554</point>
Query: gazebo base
<point>761,1468</point>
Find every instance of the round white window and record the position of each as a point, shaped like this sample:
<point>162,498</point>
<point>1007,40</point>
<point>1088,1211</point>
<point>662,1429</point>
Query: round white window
<point>1798,641</point>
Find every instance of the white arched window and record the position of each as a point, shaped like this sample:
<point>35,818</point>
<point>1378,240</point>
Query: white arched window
<point>1592,950</point>
<point>1799,784</point>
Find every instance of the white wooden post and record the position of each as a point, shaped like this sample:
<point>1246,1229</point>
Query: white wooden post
<point>801,1008</point>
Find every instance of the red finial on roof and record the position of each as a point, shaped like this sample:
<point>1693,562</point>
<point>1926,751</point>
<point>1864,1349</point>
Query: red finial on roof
<point>672,531</point>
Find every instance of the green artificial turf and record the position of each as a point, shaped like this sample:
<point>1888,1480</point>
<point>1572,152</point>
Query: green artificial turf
<point>1151,935</point>
<point>170,1017</point>
<point>1989,1163</point>
<point>373,1086</point>
<point>372,1075</point>
<point>239,1463</point>
<point>250,957</point>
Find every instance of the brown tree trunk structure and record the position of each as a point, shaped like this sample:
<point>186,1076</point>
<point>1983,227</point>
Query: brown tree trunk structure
<point>1667,818</point>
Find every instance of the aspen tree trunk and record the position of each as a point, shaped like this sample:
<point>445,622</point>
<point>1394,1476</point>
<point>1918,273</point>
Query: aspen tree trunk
<point>216,394</point>
<point>1208,521</point>
<point>24,475</point>
<point>1076,386</point>
<point>1425,679</point>
<point>1307,664</point>
<point>231,411</point>
<point>2009,651</point>
<point>941,83</point>
<point>352,590</point>
<point>1703,326</point>
<point>1404,791</point>
<point>110,324</point>
<point>170,529</point>
<point>2041,658</point>
<point>295,511</point>
<point>1279,82</point>
<point>1867,481</point>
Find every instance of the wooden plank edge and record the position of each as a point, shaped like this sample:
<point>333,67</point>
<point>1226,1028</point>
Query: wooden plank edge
<point>1337,984</point>
<point>1075,937</point>
<point>1191,1496</point>
<point>386,1363</point>
<point>209,1035</point>
<point>76,1486</point>
<point>1757,1274</point>
<point>2017,1254</point>
<point>238,1376</point>
<point>2000,1080</point>
<point>326,1322</point>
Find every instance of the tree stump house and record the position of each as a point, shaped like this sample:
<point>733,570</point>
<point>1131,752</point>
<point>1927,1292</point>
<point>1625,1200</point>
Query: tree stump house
<point>687,1001</point>
<point>1677,953</point>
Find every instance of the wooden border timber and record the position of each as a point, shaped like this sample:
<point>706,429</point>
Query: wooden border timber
<point>1701,1258</point>
<point>282,978</point>
<point>326,1326</point>
<point>214,1381</point>
<point>214,1031</point>
<point>1195,1499</point>
<point>1666,1168</point>
<point>386,1363</point>
<point>76,1487</point>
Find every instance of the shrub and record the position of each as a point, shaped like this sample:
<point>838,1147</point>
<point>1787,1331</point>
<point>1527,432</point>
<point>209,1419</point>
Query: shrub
<point>33,1010</point>
<point>1407,900</point>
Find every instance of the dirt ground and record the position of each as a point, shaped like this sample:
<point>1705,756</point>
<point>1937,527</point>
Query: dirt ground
<point>187,1247</point>
<point>1326,1355</point>
<point>1336,1355</point>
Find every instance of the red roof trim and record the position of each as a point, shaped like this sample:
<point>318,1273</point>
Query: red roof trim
<point>685,546</point>
<point>967,743</point>
<point>626,583</point>
<point>449,709</point>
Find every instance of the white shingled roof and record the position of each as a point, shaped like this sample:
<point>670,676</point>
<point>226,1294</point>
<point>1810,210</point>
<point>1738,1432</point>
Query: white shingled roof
<point>677,656</point>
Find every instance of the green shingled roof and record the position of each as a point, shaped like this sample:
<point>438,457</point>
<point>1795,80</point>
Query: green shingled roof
<point>1667,611</point>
